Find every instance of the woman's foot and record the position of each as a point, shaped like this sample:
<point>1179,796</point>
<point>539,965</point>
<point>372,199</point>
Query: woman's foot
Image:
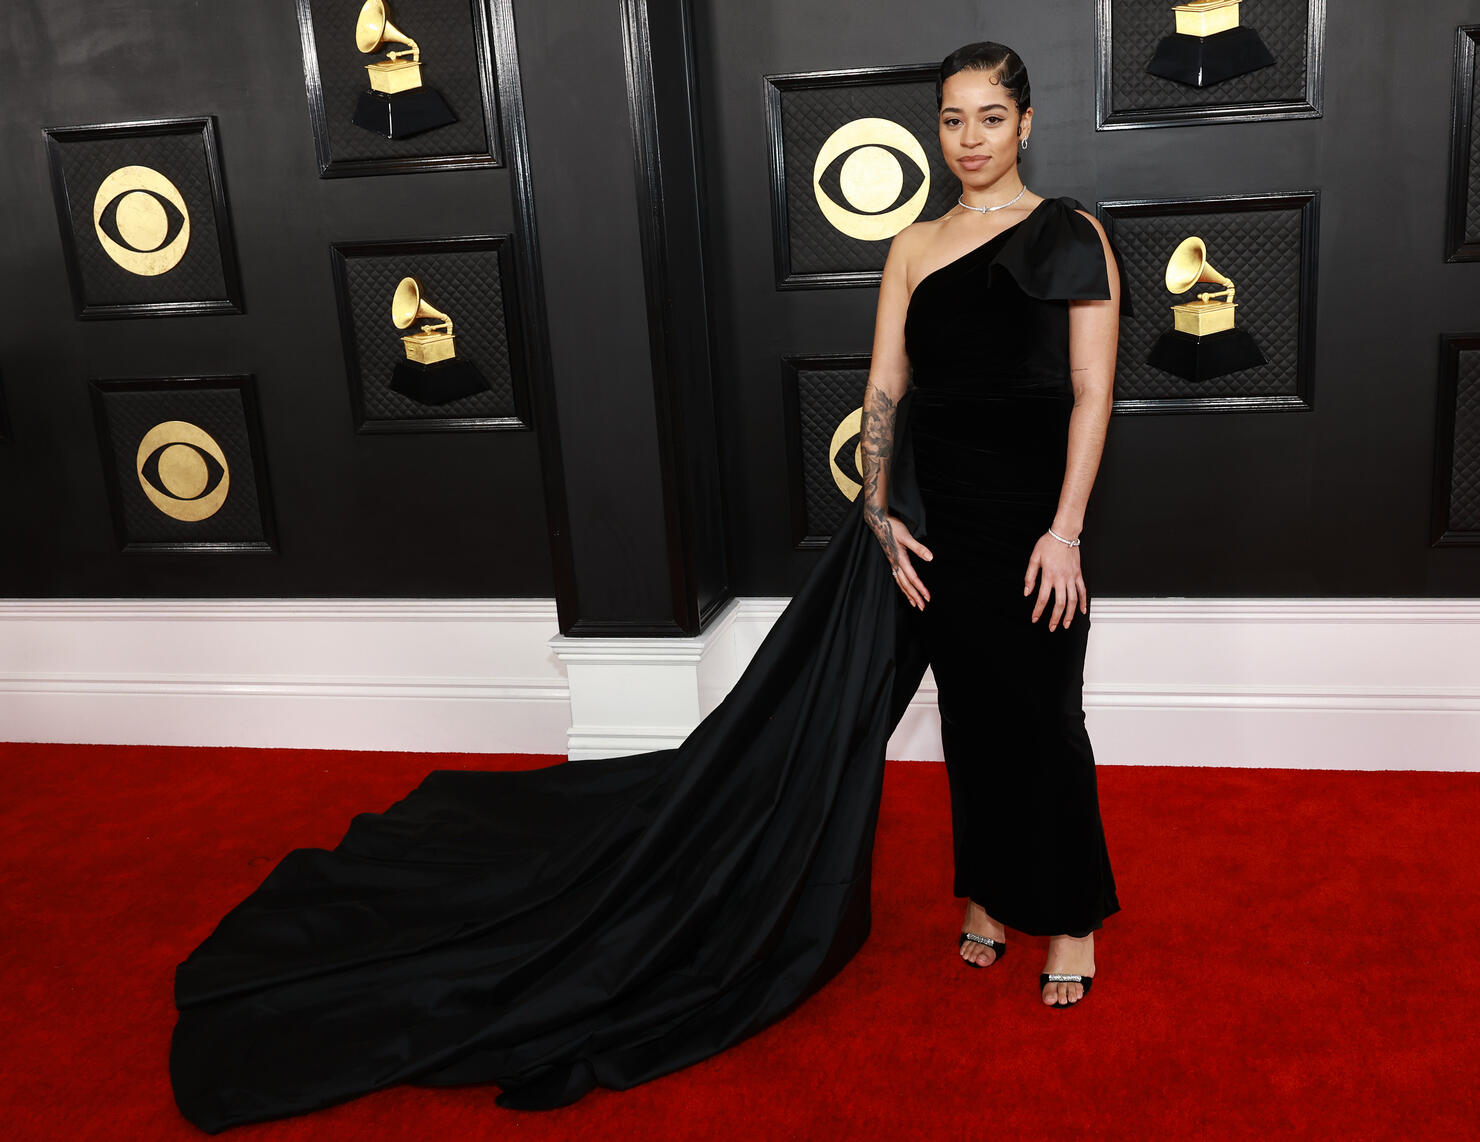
<point>1068,956</point>
<point>979,922</point>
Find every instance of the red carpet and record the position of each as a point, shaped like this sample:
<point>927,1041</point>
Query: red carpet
<point>1294,959</point>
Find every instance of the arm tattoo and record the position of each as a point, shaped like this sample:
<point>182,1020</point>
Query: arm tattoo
<point>877,439</point>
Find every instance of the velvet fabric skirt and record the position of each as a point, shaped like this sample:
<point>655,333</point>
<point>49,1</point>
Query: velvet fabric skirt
<point>1029,846</point>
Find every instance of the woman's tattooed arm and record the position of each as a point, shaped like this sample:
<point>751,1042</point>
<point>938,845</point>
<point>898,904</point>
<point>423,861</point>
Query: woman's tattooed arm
<point>888,381</point>
<point>877,439</point>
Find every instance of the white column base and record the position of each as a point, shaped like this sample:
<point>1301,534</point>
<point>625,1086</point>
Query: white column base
<point>631,695</point>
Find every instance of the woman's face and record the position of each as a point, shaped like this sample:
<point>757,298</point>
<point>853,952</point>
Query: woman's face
<point>979,128</point>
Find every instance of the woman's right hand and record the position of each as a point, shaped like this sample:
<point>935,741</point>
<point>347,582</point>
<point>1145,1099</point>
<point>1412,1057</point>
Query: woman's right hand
<point>897,543</point>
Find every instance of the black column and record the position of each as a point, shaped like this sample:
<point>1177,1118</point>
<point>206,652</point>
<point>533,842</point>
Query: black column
<point>611,112</point>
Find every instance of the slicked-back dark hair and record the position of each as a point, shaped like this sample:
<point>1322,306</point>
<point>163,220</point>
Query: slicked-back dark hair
<point>995,59</point>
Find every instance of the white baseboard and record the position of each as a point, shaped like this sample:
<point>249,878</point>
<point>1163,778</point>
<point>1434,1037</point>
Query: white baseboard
<point>323,673</point>
<point>1301,683</point>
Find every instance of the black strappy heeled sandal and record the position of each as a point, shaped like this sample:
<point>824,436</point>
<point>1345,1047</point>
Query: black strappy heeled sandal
<point>998,946</point>
<point>1047,978</point>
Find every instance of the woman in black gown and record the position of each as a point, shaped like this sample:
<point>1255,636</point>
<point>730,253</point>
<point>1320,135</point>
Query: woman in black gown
<point>609,921</point>
<point>1013,361</point>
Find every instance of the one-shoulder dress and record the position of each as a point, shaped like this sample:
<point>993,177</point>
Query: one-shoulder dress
<point>605,922</point>
<point>988,340</point>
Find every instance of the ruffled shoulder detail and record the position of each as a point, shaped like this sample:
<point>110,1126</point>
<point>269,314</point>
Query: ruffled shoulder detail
<point>1056,253</point>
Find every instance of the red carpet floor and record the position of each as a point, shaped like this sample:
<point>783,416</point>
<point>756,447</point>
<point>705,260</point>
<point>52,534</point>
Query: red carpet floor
<point>1295,959</point>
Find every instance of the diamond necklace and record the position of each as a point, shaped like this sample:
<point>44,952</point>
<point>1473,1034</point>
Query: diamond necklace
<point>1004,206</point>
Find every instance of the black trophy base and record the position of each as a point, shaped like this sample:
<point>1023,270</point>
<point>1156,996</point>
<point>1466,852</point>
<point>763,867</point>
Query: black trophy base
<point>437,384</point>
<point>403,114</point>
<point>1203,358</point>
<point>1201,61</point>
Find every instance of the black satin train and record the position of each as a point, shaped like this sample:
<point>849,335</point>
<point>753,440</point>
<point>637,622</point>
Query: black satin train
<point>593,922</point>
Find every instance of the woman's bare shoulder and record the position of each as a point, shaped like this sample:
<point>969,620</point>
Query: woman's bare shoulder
<point>913,234</point>
<point>914,243</point>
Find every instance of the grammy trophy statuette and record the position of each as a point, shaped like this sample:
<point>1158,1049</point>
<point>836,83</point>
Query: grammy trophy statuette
<point>397,105</point>
<point>1202,343</point>
<point>431,372</point>
<point>1209,45</point>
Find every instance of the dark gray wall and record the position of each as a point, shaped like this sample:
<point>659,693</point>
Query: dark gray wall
<point>435,514</point>
<point>1333,501</point>
<point>616,511</point>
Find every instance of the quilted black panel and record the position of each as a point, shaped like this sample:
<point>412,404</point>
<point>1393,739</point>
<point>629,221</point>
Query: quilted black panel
<point>1260,250</point>
<point>1464,477</point>
<point>129,414</point>
<point>445,32</point>
<point>824,398</point>
<point>181,158</point>
<point>809,117</point>
<point>1137,26</point>
<point>466,285</point>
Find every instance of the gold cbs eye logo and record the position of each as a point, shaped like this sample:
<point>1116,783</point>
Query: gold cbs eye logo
<point>141,220</point>
<point>183,471</point>
<point>862,176</point>
<point>849,431</point>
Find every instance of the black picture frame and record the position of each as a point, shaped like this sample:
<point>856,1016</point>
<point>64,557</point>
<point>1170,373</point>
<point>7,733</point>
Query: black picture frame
<point>1452,347</point>
<point>775,88</point>
<point>490,21</point>
<point>1111,117</point>
<point>515,330</point>
<point>1461,233</point>
<point>1305,203</point>
<point>224,272</point>
<point>809,530</point>
<point>125,501</point>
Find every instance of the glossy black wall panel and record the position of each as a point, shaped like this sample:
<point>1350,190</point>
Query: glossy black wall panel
<point>663,93</point>
<point>434,514</point>
<point>581,150</point>
<point>1329,501</point>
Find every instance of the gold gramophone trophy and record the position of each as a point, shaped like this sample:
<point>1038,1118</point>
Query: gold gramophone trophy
<point>397,105</point>
<point>1209,45</point>
<point>1203,342</point>
<point>430,372</point>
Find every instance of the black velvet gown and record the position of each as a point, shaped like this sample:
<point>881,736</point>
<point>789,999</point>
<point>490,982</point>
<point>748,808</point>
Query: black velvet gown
<point>988,341</point>
<point>607,922</point>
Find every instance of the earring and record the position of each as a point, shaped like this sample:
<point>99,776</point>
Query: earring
<point>1024,144</point>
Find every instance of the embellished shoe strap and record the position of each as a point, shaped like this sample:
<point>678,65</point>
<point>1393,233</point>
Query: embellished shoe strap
<point>1046,978</point>
<point>998,945</point>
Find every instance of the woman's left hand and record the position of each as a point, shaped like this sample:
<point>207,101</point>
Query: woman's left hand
<point>1060,566</point>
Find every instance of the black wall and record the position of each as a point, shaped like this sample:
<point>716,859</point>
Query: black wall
<point>647,153</point>
<point>427,514</point>
<point>1333,501</point>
